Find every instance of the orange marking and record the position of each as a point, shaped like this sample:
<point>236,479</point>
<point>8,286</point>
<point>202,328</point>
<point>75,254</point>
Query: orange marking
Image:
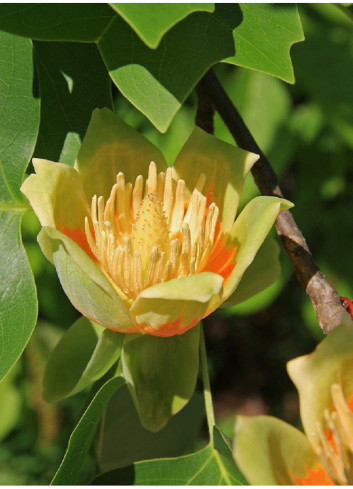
<point>329,434</point>
<point>168,329</point>
<point>316,476</point>
<point>79,237</point>
<point>221,259</point>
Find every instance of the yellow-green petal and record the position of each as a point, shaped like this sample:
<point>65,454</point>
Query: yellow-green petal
<point>84,283</point>
<point>330,363</point>
<point>263,271</point>
<point>225,167</point>
<point>248,234</point>
<point>161,374</point>
<point>172,307</point>
<point>110,146</point>
<point>56,194</point>
<point>269,451</point>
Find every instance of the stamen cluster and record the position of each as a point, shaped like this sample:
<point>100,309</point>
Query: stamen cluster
<point>337,457</point>
<point>151,232</point>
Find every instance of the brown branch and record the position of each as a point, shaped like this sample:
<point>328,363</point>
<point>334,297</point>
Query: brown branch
<point>205,110</point>
<point>325,299</point>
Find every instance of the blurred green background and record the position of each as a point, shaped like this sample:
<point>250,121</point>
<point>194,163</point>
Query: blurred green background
<point>306,130</point>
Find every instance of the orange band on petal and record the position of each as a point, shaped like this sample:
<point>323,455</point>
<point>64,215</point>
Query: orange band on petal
<point>168,329</point>
<point>79,237</point>
<point>221,259</point>
<point>316,476</point>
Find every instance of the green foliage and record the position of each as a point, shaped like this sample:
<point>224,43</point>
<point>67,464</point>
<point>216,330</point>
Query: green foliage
<point>84,354</point>
<point>264,38</point>
<point>123,440</point>
<point>213,465</point>
<point>82,436</point>
<point>55,22</point>
<point>73,82</point>
<point>324,42</point>
<point>157,81</point>
<point>161,374</point>
<point>19,123</point>
<point>57,63</point>
<point>152,21</point>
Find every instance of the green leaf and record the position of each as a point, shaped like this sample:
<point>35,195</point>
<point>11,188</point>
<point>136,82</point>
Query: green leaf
<point>123,440</point>
<point>161,374</point>
<point>151,21</point>
<point>213,465</point>
<point>19,121</point>
<point>56,22</point>
<point>157,81</point>
<point>264,37</point>
<point>73,81</point>
<point>82,436</point>
<point>83,355</point>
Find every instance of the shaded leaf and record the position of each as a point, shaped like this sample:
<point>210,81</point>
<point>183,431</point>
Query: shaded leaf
<point>264,37</point>
<point>123,440</point>
<point>157,81</point>
<point>73,81</point>
<point>161,374</point>
<point>213,465</point>
<point>151,21</point>
<point>315,74</point>
<point>19,121</point>
<point>83,355</point>
<point>56,22</point>
<point>82,436</point>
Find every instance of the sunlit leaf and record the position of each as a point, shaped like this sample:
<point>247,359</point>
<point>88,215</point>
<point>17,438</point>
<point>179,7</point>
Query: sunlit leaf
<point>19,121</point>
<point>264,37</point>
<point>157,81</point>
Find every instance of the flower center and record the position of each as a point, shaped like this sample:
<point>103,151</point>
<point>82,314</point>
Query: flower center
<point>151,232</point>
<point>336,445</point>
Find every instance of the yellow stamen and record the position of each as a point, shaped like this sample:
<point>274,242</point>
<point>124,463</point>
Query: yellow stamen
<point>337,454</point>
<point>150,232</point>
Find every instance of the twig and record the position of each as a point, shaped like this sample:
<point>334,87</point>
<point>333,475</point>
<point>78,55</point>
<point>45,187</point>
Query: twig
<point>205,110</point>
<point>325,299</point>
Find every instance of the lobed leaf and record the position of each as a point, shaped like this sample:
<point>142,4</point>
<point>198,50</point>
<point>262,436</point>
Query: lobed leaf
<point>157,81</point>
<point>264,37</point>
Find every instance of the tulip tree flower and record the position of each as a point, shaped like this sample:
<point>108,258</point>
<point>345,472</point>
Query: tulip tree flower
<point>146,249</point>
<point>271,452</point>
